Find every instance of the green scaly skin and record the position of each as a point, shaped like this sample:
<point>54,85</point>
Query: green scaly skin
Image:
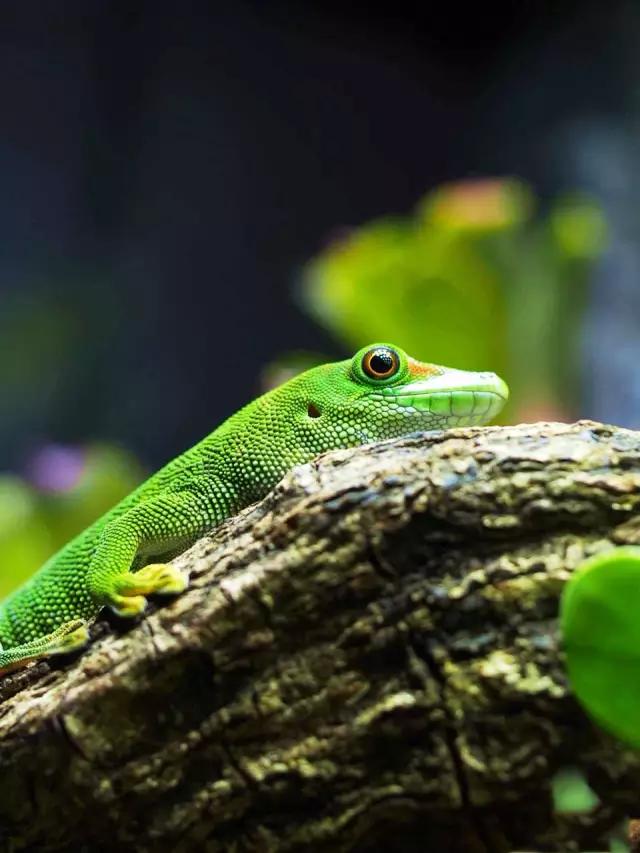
<point>332,406</point>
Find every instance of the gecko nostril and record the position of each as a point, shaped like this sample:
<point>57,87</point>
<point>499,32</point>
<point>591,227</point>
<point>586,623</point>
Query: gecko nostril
<point>313,411</point>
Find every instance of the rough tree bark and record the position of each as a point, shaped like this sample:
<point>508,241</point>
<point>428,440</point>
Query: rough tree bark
<point>366,660</point>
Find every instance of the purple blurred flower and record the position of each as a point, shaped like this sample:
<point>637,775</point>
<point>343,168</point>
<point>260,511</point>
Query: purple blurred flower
<point>56,468</point>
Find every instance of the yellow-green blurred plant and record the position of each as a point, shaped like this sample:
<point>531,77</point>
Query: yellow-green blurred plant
<point>65,489</point>
<point>25,539</point>
<point>474,279</point>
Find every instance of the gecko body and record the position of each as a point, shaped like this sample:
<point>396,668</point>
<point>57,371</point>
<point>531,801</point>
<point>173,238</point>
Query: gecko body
<point>123,557</point>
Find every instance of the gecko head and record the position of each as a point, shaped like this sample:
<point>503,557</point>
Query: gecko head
<point>383,393</point>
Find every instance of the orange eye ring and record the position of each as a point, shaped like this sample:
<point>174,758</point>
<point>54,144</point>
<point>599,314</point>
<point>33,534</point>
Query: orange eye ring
<point>380,363</point>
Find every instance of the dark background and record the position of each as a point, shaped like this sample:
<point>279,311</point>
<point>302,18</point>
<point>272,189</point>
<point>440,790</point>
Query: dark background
<point>166,169</point>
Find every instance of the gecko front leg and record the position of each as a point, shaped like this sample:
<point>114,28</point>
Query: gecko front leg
<point>165,523</point>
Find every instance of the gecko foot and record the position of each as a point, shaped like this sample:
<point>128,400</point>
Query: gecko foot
<point>161,579</point>
<point>67,638</point>
<point>130,590</point>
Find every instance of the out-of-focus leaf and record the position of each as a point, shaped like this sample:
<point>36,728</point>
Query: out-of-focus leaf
<point>25,539</point>
<point>618,845</point>
<point>579,227</point>
<point>601,637</point>
<point>425,291</point>
<point>572,793</point>
<point>478,206</point>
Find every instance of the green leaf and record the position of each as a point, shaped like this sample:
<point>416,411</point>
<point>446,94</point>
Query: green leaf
<point>428,290</point>
<point>601,635</point>
<point>572,793</point>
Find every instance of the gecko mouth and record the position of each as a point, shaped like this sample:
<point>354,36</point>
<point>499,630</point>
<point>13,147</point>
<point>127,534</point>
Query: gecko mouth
<point>453,398</point>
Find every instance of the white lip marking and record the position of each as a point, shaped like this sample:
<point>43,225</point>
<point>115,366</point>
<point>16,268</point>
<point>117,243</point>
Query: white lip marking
<point>453,380</point>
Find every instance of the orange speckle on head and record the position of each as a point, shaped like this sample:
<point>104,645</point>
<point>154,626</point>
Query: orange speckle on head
<point>419,369</point>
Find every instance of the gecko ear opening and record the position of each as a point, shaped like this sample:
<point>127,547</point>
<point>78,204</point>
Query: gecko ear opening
<point>313,411</point>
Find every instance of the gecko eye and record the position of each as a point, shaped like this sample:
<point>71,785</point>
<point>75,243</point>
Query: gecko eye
<point>380,363</point>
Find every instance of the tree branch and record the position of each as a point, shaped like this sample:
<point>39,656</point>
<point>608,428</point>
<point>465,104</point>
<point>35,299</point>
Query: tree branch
<point>366,660</point>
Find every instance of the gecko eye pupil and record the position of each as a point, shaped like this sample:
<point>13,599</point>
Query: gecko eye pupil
<point>380,363</point>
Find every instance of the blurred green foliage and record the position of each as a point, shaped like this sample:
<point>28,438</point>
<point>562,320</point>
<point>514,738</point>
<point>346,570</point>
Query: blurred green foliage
<point>572,793</point>
<point>601,639</point>
<point>474,279</point>
<point>37,518</point>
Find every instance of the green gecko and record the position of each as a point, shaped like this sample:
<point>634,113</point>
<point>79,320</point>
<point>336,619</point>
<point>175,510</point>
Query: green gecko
<point>122,558</point>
